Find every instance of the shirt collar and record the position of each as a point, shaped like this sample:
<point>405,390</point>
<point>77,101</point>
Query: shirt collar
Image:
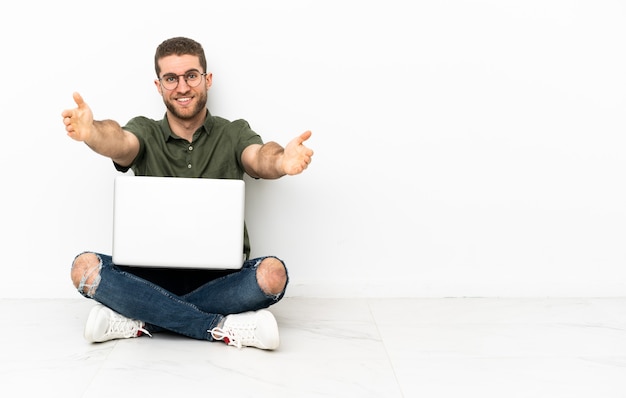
<point>167,131</point>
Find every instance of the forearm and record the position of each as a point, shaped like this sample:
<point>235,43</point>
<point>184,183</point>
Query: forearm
<point>268,164</point>
<point>108,139</point>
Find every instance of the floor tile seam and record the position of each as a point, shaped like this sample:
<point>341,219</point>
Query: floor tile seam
<point>99,368</point>
<point>608,324</point>
<point>385,348</point>
<point>462,357</point>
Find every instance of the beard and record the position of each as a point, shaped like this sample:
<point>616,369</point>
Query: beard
<point>189,113</point>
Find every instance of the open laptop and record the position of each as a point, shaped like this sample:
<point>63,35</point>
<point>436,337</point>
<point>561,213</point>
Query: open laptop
<point>178,222</point>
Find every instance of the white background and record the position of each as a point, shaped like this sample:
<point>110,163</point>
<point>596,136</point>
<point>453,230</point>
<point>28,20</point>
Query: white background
<point>462,148</point>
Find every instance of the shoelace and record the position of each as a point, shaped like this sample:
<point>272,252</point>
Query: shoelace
<point>120,325</point>
<point>237,338</point>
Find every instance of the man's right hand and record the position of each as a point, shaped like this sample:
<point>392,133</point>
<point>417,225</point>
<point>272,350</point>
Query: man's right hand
<point>78,121</point>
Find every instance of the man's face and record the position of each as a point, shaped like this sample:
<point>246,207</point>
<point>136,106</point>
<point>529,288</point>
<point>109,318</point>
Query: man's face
<point>183,101</point>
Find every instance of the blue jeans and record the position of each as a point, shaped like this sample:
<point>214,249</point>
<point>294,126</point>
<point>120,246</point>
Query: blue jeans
<point>190,314</point>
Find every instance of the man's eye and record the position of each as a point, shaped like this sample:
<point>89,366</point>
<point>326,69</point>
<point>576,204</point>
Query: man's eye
<point>169,79</point>
<point>191,76</point>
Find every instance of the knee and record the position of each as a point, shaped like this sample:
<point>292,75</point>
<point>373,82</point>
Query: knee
<point>272,276</point>
<point>85,272</point>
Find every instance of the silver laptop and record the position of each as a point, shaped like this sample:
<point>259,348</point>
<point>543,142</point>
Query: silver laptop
<point>178,222</point>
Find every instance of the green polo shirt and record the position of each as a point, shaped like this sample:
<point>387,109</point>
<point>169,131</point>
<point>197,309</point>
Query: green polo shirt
<point>214,152</point>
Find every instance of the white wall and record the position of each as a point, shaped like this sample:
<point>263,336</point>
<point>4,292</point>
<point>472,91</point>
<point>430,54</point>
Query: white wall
<point>463,148</point>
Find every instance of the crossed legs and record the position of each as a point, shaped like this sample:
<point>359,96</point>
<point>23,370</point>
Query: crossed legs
<point>259,284</point>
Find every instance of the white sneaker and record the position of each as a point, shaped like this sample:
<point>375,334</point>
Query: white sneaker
<point>252,329</point>
<point>104,324</point>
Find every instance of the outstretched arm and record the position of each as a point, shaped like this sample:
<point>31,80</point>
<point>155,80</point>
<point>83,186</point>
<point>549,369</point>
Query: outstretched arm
<point>105,137</point>
<point>271,161</point>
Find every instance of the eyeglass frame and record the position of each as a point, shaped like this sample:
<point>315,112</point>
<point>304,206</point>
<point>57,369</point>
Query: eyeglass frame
<point>169,75</point>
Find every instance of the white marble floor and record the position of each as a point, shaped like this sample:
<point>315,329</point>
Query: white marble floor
<point>431,348</point>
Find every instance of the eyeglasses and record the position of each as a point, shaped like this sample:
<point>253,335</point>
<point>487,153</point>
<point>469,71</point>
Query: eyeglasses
<point>192,78</point>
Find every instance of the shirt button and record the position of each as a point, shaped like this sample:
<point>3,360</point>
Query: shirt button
<point>190,148</point>
<point>188,166</point>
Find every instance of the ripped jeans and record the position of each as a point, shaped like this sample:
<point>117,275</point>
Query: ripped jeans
<point>190,314</point>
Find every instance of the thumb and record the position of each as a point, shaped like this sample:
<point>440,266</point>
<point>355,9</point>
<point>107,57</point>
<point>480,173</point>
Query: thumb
<point>79,100</point>
<point>305,136</point>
